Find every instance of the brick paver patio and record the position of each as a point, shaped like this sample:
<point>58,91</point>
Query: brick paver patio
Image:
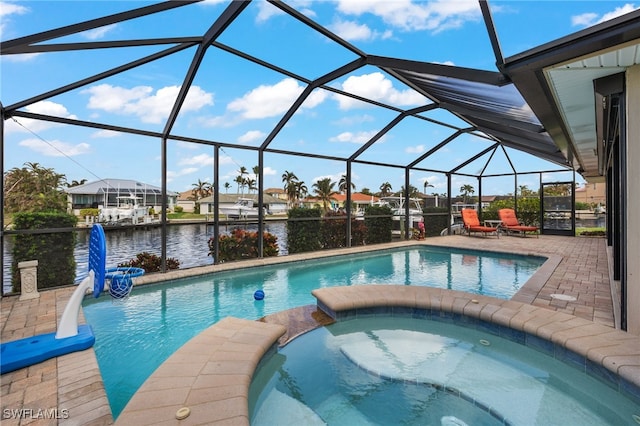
<point>68,390</point>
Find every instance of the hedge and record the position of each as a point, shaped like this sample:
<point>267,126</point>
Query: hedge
<point>53,251</point>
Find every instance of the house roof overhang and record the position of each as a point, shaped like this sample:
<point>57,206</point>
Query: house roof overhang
<point>557,81</point>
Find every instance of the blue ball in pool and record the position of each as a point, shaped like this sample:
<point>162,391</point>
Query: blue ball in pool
<point>258,295</point>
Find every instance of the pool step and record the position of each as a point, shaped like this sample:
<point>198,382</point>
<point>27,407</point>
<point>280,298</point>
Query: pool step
<point>279,408</point>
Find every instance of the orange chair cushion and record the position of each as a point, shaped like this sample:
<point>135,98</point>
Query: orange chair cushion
<point>508,217</point>
<point>470,218</point>
<point>510,221</point>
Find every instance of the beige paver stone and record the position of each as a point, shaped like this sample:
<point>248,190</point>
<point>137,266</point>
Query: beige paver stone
<point>228,367</point>
<point>199,395</point>
<point>40,390</point>
<point>212,411</point>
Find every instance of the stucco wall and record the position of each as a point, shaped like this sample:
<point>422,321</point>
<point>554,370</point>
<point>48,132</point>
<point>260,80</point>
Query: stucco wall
<point>633,200</point>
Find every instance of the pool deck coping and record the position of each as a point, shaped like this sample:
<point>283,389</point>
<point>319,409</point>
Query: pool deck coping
<point>211,374</point>
<point>577,269</point>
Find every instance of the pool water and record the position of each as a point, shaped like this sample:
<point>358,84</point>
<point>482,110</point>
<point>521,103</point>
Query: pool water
<point>135,337</point>
<point>401,370</point>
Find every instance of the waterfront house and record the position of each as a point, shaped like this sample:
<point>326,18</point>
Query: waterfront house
<point>108,192</point>
<point>272,204</point>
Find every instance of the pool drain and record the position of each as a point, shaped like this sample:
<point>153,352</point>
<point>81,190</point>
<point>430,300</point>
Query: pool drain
<point>484,342</point>
<point>636,418</point>
<point>564,297</point>
<point>183,413</point>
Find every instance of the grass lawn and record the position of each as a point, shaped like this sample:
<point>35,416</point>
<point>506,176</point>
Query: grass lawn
<point>592,232</point>
<point>185,215</point>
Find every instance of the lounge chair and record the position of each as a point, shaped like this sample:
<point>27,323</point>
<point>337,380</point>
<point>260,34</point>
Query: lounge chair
<point>472,223</point>
<point>510,223</point>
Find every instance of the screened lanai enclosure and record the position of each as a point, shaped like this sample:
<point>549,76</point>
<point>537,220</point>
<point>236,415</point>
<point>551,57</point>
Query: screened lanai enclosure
<point>174,87</point>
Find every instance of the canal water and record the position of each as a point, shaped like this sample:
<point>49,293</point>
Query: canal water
<point>188,243</point>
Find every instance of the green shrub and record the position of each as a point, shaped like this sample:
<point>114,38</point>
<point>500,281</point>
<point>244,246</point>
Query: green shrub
<point>303,230</point>
<point>582,206</point>
<point>53,251</point>
<point>241,244</point>
<point>435,220</point>
<point>178,209</point>
<point>528,210</point>
<point>333,231</point>
<point>89,212</point>
<point>150,262</point>
<point>358,232</point>
<point>378,222</point>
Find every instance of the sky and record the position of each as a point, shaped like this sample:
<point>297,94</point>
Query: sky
<point>239,103</point>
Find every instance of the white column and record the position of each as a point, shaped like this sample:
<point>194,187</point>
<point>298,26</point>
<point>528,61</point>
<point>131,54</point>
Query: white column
<point>633,199</point>
<point>28,280</point>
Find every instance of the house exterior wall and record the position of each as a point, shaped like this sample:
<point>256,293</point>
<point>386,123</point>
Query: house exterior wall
<point>633,199</point>
<point>592,193</point>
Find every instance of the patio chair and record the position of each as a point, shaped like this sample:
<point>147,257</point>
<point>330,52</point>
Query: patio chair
<point>511,224</point>
<point>472,223</point>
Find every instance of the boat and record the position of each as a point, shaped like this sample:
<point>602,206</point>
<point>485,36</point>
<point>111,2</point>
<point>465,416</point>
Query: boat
<point>244,208</point>
<point>397,205</point>
<point>126,211</point>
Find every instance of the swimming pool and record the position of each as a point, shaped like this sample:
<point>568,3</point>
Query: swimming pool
<point>134,338</point>
<point>404,370</point>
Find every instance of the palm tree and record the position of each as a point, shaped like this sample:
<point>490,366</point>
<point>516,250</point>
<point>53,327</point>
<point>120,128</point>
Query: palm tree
<point>34,188</point>
<point>413,191</point>
<point>466,190</point>
<point>201,189</point>
<point>227,185</point>
<point>290,187</point>
<point>76,183</point>
<point>256,181</point>
<point>426,185</point>
<point>251,184</point>
<point>323,188</point>
<point>385,189</point>
<point>240,180</point>
<point>342,185</point>
<point>301,190</point>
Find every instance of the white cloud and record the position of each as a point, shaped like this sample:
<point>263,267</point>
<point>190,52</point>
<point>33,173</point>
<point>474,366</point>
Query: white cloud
<point>263,102</point>
<point>334,178</point>
<point>353,31</point>
<point>584,20</point>
<point>142,102</point>
<point>589,19</point>
<point>436,16</point>
<point>377,87</point>
<point>268,171</point>
<point>269,101</point>
<point>171,175</point>
<point>55,148</point>
<point>30,125</point>
<point>266,10</point>
<point>358,137</point>
<point>105,134</point>
<point>98,33</point>
<point>199,160</point>
<point>251,135</point>
<point>6,10</point>
<point>24,57</point>
<point>418,149</point>
<point>188,145</point>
